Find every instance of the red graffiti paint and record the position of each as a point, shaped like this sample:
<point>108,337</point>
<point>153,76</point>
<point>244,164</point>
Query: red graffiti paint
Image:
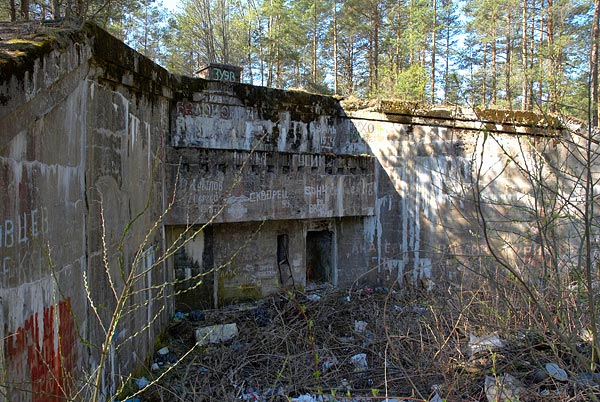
<point>43,357</point>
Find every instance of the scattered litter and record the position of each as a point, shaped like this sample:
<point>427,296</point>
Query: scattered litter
<point>262,318</point>
<point>251,396</point>
<point>556,372</point>
<point>313,297</point>
<point>326,366</point>
<point>587,380</point>
<point>216,334</point>
<point>141,382</point>
<point>271,354</point>
<point>237,346</point>
<point>436,398</point>
<point>165,356</point>
<point>487,342</point>
<point>368,339</point>
<point>196,315</point>
<point>179,316</point>
<point>505,388</point>
<point>360,326</point>
<point>308,398</point>
<point>360,362</point>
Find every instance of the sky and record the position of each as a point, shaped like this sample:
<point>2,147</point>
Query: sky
<point>171,4</point>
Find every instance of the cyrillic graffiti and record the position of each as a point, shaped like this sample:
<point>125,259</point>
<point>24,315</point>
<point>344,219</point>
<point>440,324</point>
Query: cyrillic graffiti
<point>23,228</point>
<point>267,195</point>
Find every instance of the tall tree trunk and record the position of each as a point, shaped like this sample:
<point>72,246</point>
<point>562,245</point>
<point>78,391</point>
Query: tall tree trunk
<point>376,46</point>
<point>484,81</point>
<point>594,65</point>
<point>278,68</point>
<point>350,75</point>
<point>542,79</point>
<point>447,65</point>
<point>532,50</point>
<point>371,50</point>
<point>314,43</point>
<point>508,68</point>
<point>224,13</point>
<point>13,11</point>
<point>397,47</point>
<point>249,55</point>
<point>433,51</point>
<point>270,53</point>
<point>493,61</point>
<point>525,63</point>
<point>553,67</point>
<point>25,10</point>
<point>335,49</point>
<point>55,9</point>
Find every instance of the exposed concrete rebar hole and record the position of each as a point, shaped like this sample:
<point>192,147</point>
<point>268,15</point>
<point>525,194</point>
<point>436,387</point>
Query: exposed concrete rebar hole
<point>319,261</point>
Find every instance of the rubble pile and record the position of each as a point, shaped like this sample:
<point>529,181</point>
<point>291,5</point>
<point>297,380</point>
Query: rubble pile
<point>365,345</point>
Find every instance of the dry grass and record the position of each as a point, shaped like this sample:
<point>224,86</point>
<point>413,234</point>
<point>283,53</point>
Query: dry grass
<point>414,344</point>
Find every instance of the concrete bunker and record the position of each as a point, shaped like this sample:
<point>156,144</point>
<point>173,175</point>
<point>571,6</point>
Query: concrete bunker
<point>362,192</point>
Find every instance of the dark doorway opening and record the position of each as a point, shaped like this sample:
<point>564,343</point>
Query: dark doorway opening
<point>319,261</point>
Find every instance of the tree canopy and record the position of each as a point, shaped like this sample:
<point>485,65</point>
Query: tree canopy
<point>519,54</point>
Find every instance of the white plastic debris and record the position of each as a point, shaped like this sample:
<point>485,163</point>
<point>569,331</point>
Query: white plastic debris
<point>360,362</point>
<point>308,398</point>
<point>216,334</point>
<point>436,398</point>
<point>556,372</point>
<point>360,326</point>
<point>141,382</point>
<point>487,342</point>
<point>313,297</point>
<point>505,388</point>
<point>155,367</point>
<point>163,351</point>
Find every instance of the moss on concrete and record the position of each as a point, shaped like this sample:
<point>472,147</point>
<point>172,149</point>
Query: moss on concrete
<point>18,54</point>
<point>246,292</point>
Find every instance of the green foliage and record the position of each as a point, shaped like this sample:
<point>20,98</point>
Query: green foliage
<point>424,50</point>
<point>410,84</point>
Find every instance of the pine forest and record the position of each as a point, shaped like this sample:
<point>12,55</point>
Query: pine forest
<point>514,54</point>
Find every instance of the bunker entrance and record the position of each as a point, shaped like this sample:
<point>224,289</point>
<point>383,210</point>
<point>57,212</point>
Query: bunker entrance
<point>319,261</point>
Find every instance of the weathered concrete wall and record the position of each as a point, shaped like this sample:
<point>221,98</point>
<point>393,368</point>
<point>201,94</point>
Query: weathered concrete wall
<point>238,186</point>
<point>81,132</point>
<point>262,189</point>
<point>414,207</point>
<point>441,165</point>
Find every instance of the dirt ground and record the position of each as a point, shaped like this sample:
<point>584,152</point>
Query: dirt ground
<point>362,345</point>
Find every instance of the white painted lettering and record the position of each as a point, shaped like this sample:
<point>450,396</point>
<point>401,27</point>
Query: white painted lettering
<point>315,190</point>
<point>9,236</point>
<point>27,226</point>
<point>267,195</point>
<point>22,223</point>
<point>34,223</point>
